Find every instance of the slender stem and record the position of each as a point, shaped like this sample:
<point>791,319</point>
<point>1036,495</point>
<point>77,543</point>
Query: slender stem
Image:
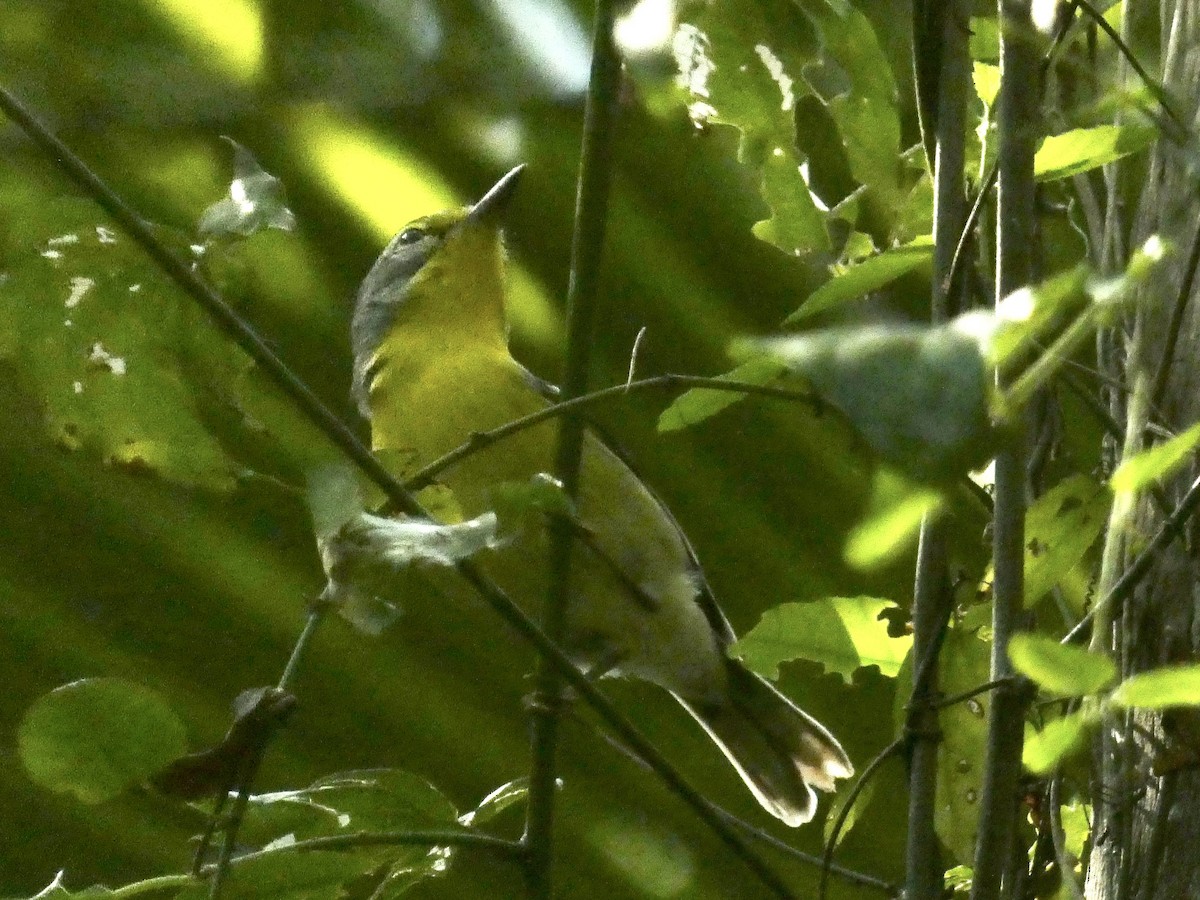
<point>315,616</point>
<point>483,439</point>
<point>850,876</point>
<point>963,696</point>
<point>587,250</point>
<point>863,780</point>
<point>1017,123</point>
<point>245,781</point>
<point>427,838</point>
<point>151,885</point>
<point>1065,859</point>
<point>1123,587</point>
<point>1171,340</point>
<point>931,592</point>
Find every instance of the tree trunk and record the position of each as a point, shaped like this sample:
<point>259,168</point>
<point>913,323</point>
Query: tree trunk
<point>1146,778</point>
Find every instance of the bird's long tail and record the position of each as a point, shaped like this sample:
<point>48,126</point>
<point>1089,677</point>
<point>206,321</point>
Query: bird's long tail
<point>780,751</point>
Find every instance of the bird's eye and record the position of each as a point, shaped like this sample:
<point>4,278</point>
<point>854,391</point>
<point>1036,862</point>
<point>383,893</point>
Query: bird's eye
<point>410,235</point>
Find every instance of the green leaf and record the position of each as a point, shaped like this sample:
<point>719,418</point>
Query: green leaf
<point>354,801</point>
<point>1142,470</point>
<point>125,365</point>
<point>842,633</point>
<point>1060,738</point>
<point>696,405</point>
<point>255,201</point>
<point>987,81</point>
<point>741,65</point>
<point>1021,316</point>
<point>860,279</point>
<point>1083,149</point>
<point>97,737</point>
<point>919,396</point>
<point>1060,526</point>
<point>1160,688</point>
<point>1061,669</point>
<point>861,804</point>
<point>284,875</point>
<point>853,78</point>
<point>510,794</point>
<point>892,521</point>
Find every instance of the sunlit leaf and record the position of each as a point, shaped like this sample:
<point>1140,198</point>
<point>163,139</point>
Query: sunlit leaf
<point>1142,470</point>
<point>892,520</point>
<point>1060,526</point>
<point>698,404</point>
<point>1061,669</point>
<point>863,277</point>
<point>1060,738</point>
<point>510,794</point>
<point>1160,688</point>
<point>741,65</point>
<point>841,633</point>
<point>853,78</point>
<point>987,81</point>
<point>1082,149</point>
<point>97,737</point>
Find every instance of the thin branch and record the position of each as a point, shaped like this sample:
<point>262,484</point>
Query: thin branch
<point>1151,85</point>
<point>850,876</point>
<point>1017,124</point>
<point>963,696</point>
<point>932,596</point>
<point>1171,528</point>
<point>892,749</point>
<point>587,250</point>
<point>1158,391</point>
<point>481,440</point>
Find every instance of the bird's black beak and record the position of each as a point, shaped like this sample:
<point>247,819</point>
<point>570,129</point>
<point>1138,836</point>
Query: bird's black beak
<point>491,206</point>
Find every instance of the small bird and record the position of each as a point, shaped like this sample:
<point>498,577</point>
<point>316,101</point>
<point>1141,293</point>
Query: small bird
<point>431,367</point>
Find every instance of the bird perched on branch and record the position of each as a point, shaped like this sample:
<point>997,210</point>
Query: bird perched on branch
<point>432,367</point>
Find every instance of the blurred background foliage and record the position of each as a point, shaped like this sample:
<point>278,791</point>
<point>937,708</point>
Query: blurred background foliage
<point>373,112</point>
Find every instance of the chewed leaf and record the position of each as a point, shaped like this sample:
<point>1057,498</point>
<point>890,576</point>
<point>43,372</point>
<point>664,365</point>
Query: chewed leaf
<point>1060,526</point>
<point>842,633</point>
<point>741,66</point>
<point>97,737</point>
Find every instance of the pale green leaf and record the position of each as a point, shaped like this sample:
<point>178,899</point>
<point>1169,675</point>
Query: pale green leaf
<point>1045,749</point>
<point>97,737</point>
<point>696,405</point>
<point>892,521</point>
<point>1083,149</point>
<point>1160,688</point>
<point>1060,526</point>
<point>861,278</point>
<point>1142,470</point>
<point>1061,669</point>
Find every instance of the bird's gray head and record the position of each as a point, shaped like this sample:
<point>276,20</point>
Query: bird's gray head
<point>385,288</point>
